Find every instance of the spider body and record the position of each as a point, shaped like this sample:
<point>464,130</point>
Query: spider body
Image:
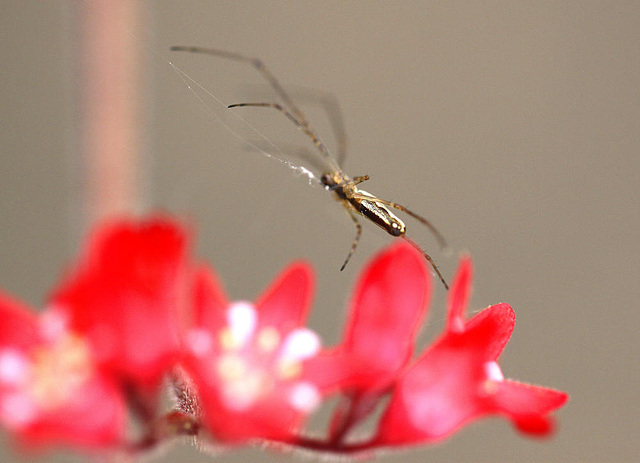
<point>358,203</point>
<point>362,202</point>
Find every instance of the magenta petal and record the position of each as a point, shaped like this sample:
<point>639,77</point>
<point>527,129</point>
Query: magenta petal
<point>390,302</point>
<point>285,303</point>
<point>459,296</point>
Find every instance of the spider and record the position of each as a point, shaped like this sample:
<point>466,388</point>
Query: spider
<point>345,189</point>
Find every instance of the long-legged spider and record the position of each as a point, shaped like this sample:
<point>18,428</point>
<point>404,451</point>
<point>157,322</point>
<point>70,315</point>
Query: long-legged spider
<point>344,188</point>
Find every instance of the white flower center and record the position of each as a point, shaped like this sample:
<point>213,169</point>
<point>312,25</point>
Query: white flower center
<point>494,376</point>
<point>42,379</point>
<point>253,363</point>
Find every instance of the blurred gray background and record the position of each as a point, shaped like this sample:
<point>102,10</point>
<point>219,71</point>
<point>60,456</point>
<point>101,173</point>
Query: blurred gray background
<point>513,126</point>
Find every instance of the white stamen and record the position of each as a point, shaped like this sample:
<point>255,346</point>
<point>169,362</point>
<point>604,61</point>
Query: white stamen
<point>14,367</point>
<point>241,395</point>
<point>287,369</point>
<point>242,318</point>
<point>304,397</point>
<point>300,344</point>
<point>268,339</point>
<point>493,371</point>
<point>231,367</point>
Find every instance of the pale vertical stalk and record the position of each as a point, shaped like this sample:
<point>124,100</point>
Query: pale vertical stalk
<point>110,107</point>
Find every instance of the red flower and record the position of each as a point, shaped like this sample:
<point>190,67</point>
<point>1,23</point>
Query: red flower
<point>458,379</point>
<point>127,295</point>
<point>112,325</point>
<point>247,359</point>
<point>389,303</point>
<point>119,323</point>
<point>50,389</point>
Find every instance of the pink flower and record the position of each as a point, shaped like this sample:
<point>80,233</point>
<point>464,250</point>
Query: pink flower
<point>247,359</point>
<point>458,380</point>
<point>50,389</point>
<point>128,294</point>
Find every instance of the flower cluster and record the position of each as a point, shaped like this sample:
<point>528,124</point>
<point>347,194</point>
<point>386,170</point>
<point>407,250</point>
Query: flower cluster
<point>137,311</point>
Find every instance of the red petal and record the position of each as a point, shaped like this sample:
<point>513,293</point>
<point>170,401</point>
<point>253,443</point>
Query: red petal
<point>269,417</point>
<point>94,417</point>
<point>493,328</point>
<point>329,371</point>
<point>459,296</point>
<point>436,395</point>
<point>449,387</point>
<point>536,426</point>
<point>285,303</point>
<point>127,293</point>
<point>390,301</point>
<point>528,406</point>
<point>210,301</point>
<point>18,324</point>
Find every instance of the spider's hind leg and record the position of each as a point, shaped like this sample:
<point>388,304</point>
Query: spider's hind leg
<point>429,259</point>
<point>354,245</point>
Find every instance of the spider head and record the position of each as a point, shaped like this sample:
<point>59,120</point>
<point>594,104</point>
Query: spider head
<point>328,180</point>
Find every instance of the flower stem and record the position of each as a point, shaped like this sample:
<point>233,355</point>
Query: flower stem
<point>110,107</point>
<point>328,447</point>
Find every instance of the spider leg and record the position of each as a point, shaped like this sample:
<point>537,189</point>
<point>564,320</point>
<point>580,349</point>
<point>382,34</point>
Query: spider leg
<point>334,114</point>
<point>428,257</point>
<point>258,65</point>
<point>354,245</point>
<point>359,179</point>
<point>292,117</point>
<point>298,116</point>
<point>331,107</point>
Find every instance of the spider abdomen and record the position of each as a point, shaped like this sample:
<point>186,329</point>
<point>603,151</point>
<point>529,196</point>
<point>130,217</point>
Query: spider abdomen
<point>378,213</point>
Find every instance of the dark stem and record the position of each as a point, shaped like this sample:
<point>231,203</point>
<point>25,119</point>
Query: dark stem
<point>337,448</point>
